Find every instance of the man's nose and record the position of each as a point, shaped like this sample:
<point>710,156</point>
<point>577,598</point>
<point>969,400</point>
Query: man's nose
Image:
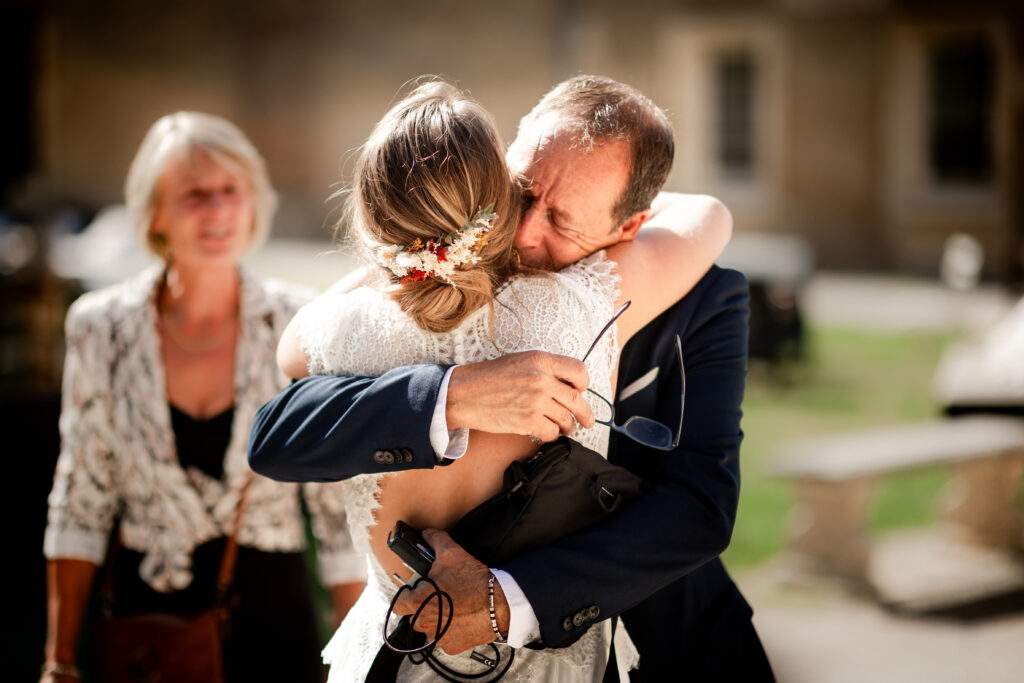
<point>530,229</point>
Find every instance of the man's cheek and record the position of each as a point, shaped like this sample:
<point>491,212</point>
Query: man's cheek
<point>577,247</point>
<point>565,255</point>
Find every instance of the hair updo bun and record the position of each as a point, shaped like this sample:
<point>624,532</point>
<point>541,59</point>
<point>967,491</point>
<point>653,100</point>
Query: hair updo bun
<point>431,164</point>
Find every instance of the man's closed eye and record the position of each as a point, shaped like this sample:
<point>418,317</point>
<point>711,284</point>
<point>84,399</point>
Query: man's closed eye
<point>568,233</point>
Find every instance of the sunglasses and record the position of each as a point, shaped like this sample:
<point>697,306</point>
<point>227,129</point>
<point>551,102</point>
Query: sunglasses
<point>644,430</point>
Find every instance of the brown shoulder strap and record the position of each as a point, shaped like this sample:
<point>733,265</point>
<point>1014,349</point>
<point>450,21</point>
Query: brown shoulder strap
<point>227,563</point>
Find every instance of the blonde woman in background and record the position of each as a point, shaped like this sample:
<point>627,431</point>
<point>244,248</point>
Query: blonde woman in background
<point>163,375</point>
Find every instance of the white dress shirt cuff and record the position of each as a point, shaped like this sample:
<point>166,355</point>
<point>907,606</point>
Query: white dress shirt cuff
<point>450,444</point>
<point>523,627</point>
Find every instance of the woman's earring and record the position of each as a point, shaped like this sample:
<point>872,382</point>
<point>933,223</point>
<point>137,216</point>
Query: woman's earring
<point>173,281</point>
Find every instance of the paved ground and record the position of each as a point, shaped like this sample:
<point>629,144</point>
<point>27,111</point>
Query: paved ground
<point>821,634</point>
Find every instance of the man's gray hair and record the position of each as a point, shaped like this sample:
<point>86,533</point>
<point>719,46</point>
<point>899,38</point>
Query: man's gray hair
<point>594,109</point>
<point>178,133</point>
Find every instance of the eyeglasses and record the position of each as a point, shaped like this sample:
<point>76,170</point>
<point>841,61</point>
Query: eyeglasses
<point>644,430</point>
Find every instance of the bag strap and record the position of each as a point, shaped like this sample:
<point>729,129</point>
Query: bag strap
<point>226,575</point>
<point>227,564</point>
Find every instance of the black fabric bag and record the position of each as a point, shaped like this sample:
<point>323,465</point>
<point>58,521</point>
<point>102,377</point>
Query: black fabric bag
<point>562,489</point>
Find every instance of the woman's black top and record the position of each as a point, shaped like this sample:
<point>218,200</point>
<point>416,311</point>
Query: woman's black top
<point>273,634</point>
<point>202,443</point>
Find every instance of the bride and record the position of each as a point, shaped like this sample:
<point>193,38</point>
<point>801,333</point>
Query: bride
<point>436,210</point>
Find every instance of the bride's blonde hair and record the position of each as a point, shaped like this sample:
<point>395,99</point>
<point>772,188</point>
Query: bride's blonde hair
<point>431,165</point>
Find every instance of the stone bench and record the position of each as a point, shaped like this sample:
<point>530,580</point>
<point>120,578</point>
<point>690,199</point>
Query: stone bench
<point>834,478</point>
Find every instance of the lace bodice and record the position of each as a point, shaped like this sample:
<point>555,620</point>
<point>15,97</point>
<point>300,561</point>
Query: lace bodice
<point>365,332</point>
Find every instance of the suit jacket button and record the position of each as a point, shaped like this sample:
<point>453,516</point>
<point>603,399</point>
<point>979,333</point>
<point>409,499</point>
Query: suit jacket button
<point>579,618</point>
<point>567,624</point>
<point>406,455</point>
<point>380,457</point>
<point>593,612</point>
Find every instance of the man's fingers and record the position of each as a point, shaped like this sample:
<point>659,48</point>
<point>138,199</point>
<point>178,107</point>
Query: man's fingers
<point>440,541</point>
<point>569,370</point>
<point>410,601</point>
<point>572,400</point>
<point>544,429</point>
<point>562,417</point>
<point>427,621</point>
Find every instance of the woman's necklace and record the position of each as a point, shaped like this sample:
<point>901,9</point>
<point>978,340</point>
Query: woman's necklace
<point>171,317</point>
<point>205,344</point>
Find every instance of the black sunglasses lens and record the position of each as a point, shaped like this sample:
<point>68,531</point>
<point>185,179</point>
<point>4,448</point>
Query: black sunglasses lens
<point>648,432</point>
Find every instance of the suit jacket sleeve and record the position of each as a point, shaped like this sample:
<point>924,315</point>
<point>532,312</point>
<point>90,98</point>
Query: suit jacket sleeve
<point>328,428</point>
<point>687,519</point>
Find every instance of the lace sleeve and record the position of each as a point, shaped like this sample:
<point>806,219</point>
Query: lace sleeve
<point>323,326</point>
<point>559,312</point>
<point>362,332</point>
<point>84,497</point>
<point>594,278</point>
<point>337,559</point>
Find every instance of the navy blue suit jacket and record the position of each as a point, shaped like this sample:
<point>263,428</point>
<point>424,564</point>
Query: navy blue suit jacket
<point>634,563</point>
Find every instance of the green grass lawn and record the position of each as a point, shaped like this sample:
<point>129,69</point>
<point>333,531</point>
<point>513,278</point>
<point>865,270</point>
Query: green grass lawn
<point>850,380</point>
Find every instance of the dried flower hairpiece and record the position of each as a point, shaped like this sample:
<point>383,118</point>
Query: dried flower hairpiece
<point>416,261</point>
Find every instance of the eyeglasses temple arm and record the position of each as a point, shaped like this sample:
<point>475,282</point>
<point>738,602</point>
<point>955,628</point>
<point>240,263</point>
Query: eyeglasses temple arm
<point>682,396</point>
<point>622,309</point>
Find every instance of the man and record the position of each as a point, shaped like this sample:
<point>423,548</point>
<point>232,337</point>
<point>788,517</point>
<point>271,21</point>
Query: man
<point>655,562</point>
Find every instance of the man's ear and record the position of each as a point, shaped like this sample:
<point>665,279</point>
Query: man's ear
<point>632,225</point>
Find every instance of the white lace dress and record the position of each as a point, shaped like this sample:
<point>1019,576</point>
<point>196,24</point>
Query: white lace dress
<point>364,332</point>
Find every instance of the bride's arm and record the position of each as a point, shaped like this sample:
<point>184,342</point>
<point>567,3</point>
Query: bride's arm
<point>671,252</point>
<point>290,357</point>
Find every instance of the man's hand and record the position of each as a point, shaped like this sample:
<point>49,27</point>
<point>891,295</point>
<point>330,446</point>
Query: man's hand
<point>460,575</point>
<point>532,393</point>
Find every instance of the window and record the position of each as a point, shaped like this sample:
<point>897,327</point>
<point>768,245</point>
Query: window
<point>735,76</point>
<point>961,83</point>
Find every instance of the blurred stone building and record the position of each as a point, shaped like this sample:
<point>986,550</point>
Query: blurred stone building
<point>873,128</point>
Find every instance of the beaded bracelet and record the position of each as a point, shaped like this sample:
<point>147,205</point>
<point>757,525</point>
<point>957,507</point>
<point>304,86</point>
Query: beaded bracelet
<point>490,610</point>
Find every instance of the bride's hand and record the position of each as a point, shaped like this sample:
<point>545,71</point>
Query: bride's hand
<point>464,578</point>
<point>532,393</point>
